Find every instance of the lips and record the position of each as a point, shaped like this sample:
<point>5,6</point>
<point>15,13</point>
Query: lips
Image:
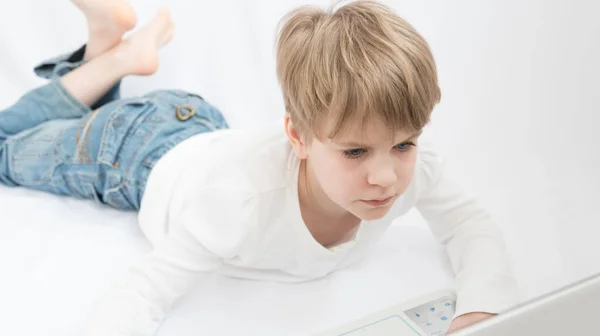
<point>378,202</point>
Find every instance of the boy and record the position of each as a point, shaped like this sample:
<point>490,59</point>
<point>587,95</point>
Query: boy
<point>289,203</point>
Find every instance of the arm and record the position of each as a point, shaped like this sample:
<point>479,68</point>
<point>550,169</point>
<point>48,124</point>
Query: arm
<point>137,305</point>
<point>474,244</point>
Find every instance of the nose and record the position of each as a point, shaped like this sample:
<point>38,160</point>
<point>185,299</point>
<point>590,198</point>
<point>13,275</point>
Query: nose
<point>382,172</point>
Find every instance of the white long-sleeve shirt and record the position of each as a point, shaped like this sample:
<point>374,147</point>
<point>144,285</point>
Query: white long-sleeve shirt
<point>227,202</point>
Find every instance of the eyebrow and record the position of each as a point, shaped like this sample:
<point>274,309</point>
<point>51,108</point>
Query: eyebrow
<point>358,145</point>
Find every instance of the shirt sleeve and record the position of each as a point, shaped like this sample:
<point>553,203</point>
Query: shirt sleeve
<point>137,305</point>
<point>474,243</point>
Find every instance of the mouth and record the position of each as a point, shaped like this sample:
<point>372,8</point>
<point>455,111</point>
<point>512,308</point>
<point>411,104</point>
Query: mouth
<point>378,202</point>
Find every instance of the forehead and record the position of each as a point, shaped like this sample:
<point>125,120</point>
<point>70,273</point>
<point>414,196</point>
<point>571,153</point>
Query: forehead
<point>370,133</point>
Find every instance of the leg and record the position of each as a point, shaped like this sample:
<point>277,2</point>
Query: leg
<point>43,104</point>
<point>61,65</point>
<point>107,21</point>
<point>28,142</point>
<point>137,55</point>
<point>109,154</point>
<point>70,96</point>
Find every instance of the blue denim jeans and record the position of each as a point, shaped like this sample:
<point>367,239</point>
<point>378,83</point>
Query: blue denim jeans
<point>50,141</point>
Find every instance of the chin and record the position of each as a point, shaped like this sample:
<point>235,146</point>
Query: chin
<point>372,214</point>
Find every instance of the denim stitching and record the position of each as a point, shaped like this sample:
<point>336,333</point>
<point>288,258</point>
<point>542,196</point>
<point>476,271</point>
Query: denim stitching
<point>47,178</point>
<point>79,143</point>
<point>109,123</point>
<point>94,193</point>
<point>104,141</point>
<point>13,163</point>
<point>86,150</point>
<point>69,180</point>
<point>144,142</point>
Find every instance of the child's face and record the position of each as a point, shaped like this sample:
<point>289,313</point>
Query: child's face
<point>362,165</point>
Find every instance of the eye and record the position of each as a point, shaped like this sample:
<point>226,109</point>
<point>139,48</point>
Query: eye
<point>354,153</point>
<point>405,146</point>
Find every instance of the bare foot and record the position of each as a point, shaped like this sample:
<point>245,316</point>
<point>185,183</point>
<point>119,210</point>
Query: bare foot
<point>139,52</point>
<point>107,21</point>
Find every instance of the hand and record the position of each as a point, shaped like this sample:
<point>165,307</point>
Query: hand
<point>466,320</point>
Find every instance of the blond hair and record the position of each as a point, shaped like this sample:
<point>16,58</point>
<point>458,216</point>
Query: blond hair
<point>359,61</point>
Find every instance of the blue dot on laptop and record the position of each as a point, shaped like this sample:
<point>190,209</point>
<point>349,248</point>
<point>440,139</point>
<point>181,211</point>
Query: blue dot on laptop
<point>432,309</point>
<point>444,318</point>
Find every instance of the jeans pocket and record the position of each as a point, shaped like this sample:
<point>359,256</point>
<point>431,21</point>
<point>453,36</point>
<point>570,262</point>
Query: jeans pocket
<point>128,128</point>
<point>36,153</point>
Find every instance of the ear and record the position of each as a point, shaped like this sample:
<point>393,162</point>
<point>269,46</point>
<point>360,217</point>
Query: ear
<point>295,138</point>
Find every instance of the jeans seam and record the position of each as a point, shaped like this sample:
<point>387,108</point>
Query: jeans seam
<point>151,132</point>
<point>93,191</point>
<point>46,180</point>
<point>103,141</point>
<point>74,179</point>
<point>13,163</point>
<point>81,150</point>
<point>78,138</point>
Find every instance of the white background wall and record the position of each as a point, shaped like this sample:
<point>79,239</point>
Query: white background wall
<point>517,121</point>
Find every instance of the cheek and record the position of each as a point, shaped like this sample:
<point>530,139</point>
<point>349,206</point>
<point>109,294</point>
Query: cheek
<point>350,180</point>
<point>339,179</point>
<point>406,171</point>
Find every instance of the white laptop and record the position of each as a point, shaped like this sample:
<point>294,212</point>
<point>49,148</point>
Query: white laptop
<point>426,315</point>
<point>571,310</point>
